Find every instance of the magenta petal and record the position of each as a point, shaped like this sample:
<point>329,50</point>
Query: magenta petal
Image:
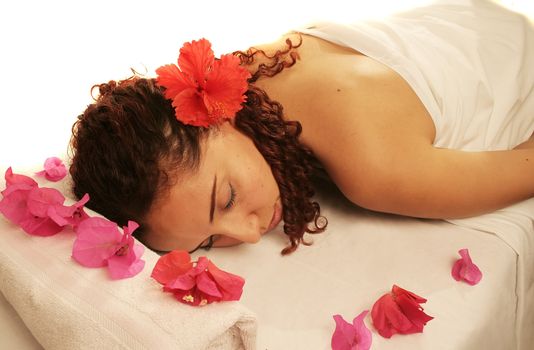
<point>465,270</point>
<point>54,169</point>
<point>132,226</point>
<point>126,266</point>
<point>363,333</point>
<point>344,334</point>
<point>73,214</point>
<point>41,198</point>
<point>126,261</point>
<point>14,179</point>
<point>14,204</point>
<point>37,226</point>
<point>355,336</point>
<point>96,242</point>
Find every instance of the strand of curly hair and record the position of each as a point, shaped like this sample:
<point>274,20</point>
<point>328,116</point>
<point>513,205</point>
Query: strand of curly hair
<point>293,165</point>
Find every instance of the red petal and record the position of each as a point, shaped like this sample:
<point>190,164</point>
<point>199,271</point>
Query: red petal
<point>399,291</point>
<point>190,109</point>
<point>174,81</point>
<point>414,313</point>
<point>225,87</point>
<point>196,59</point>
<point>171,265</point>
<point>230,285</point>
<point>207,285</point>
<point>388,317</point>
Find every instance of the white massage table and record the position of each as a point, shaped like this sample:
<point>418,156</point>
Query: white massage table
<point>291,299</point>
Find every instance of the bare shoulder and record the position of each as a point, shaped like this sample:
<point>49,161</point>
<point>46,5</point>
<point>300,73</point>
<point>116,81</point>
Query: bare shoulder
<point>359,116</point>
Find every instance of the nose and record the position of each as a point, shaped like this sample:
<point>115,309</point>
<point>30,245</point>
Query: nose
<point>244,229</point>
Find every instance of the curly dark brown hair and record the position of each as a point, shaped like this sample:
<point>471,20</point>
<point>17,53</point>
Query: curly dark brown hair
<point>127,149</point>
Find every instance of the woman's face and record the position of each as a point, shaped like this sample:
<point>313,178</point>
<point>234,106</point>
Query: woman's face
<point>233,196</point>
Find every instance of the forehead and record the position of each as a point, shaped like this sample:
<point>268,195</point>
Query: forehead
<point>181,216</point>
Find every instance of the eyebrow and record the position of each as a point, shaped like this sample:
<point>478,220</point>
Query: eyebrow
<point>212,204</point>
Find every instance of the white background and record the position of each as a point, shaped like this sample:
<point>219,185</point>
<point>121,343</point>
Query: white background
<point>52,52</point>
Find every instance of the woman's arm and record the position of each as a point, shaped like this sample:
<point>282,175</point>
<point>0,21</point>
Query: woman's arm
<point>442,183</point>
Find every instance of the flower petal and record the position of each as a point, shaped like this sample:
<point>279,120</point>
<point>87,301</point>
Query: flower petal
<point>171,265</point>
<point>229,284</point>
<point>387,317</point>
<point>344,335</point>
<point>196,59</point>
<point>207,285</point>
<point>73,214</point>
<point>54,169</point>
<point>38,226</point>
<point>128,265</point>
<point>414,313</point>
<point>12,179</point>
<point>41,198</point>
<point>96,241</point>
<point>363,333</point>
<point>190,109</point>
<point>465,270</point>
<point>14,203</point>
<point>225,88</point>
<point>174,81</point>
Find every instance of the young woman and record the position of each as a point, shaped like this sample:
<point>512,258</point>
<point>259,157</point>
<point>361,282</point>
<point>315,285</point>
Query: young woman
<point>429,113</point>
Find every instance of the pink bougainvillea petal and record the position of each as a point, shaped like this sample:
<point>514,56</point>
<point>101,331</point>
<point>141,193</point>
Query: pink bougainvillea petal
<point>13,179</point>
<point>43,227</point>
<point>54,169</point>
<point>71,215</point>
<point>96,242</point>
<point>126,260</point>
<point>465,270</point>
<point>41,198</point>
<point>365,338</point>
<point>34,217</point>
<point>171,265</point>
<point>14,203</point>
<point>355,336</point>
<point>126,266</point>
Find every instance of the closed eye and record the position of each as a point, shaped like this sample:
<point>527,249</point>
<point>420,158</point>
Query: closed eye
<point>231,200</point>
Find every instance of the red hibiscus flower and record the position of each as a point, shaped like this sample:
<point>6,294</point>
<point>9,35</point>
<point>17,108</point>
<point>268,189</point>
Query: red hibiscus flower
<point>204,90</point>
<point>399,312</point>
<point>196,285</point>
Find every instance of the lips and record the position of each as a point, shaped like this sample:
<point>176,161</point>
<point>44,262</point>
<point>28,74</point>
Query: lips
<point>277,217</point>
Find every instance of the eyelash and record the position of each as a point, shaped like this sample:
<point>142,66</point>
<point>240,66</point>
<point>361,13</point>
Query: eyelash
<point>231,201</point>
